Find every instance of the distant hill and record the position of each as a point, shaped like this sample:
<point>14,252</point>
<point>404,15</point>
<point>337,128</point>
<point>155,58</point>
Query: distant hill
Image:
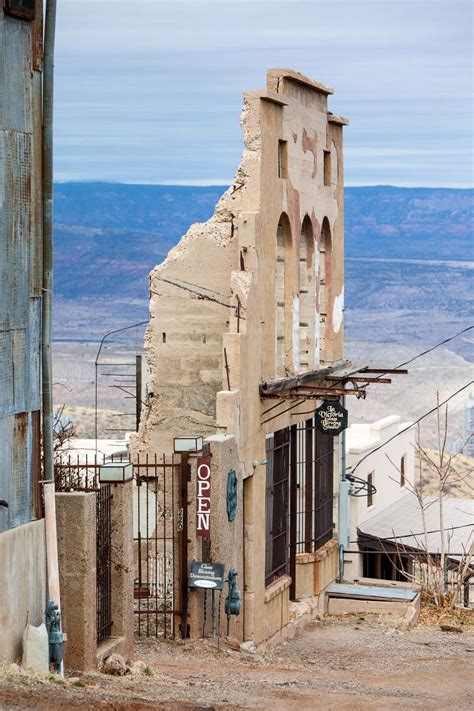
<point>409,223</point>
<point>109,236</point>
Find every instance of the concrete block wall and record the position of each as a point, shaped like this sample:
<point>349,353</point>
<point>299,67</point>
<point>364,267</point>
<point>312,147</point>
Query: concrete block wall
<point>76,525</point>
<point>22,585</point>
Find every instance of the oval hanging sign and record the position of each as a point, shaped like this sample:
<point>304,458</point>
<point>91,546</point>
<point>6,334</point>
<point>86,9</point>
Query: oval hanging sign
<point>331,418</point>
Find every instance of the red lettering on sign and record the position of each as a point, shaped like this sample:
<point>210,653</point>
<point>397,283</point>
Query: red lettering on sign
<point>203,497</point>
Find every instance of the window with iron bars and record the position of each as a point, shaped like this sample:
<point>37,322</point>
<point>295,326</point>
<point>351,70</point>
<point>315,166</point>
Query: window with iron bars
<point>276,504</point>
<point>299,496</point>
<point>314,494</point>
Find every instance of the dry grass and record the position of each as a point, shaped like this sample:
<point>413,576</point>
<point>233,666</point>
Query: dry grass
<point>432,615</point>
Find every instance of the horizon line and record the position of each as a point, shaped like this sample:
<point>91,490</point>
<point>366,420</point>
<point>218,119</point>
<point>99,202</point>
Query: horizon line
<point>219,182</point>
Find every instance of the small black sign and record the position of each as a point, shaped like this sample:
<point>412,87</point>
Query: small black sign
<point>206,575</point>
<point>331,418</point>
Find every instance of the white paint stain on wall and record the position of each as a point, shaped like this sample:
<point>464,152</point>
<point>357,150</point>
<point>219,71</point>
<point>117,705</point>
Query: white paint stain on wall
<point>296,333</point>
<point>317,320</point>
<point>338,312</point>
<point>317,340</point>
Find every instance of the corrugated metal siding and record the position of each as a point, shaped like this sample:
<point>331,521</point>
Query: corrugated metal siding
<point>19,460</point>
<point>38,37</point>
<point>20,267</point>
<point>17,71</point>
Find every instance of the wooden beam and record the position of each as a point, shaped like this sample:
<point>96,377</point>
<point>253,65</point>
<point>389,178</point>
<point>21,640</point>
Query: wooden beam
<point>358,379</point>
<point>386,371</point>
<point>313,393</point>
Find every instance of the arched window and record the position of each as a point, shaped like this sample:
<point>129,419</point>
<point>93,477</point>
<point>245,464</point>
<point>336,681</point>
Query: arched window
<point>307,297</point>
<point>324,291</point>
<point>283,297</point>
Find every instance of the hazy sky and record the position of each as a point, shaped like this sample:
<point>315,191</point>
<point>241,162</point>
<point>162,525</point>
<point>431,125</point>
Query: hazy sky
<point>151,90</point>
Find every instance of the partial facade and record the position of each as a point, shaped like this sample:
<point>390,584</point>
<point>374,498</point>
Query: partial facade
<point>22,546</point>
<point>243,307</point>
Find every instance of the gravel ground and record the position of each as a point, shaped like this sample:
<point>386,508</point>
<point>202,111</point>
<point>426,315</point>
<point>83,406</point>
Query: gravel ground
<point>353,663</point>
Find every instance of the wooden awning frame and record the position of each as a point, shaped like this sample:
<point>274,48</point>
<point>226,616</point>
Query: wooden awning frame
<point>340,379</point>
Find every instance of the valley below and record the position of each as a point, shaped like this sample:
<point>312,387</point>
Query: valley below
<point>397,305</point>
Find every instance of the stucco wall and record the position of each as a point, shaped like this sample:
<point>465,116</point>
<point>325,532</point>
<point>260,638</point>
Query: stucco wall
<point>22,585</point>
<point>225,542</point>
<point>384,464</point>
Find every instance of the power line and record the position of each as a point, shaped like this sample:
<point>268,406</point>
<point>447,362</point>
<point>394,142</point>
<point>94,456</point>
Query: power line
<point>428,350</point>
<point>446,340</point>
<point>426,414</point>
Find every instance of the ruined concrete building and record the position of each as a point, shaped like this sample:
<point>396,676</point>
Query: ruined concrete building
<point>246,321</point>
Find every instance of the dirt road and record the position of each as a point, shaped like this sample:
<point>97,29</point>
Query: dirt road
<point>345,664</point>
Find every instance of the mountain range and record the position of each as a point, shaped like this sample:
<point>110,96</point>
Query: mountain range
<point>109,236</point>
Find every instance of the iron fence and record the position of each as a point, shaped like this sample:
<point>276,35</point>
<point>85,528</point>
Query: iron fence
<point>104,562</point>
<point>159,547</point>
<point>159,538</point>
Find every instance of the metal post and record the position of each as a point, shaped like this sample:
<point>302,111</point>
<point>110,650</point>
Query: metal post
<point>48,87</point>
<point>343,503</point>
<point>293,508</point>
<point>309,499</point>
<point>213,615</point>
<point>96,363</point>
<point>47,293</point>
<point>184,471</point>
<point>138,390</point>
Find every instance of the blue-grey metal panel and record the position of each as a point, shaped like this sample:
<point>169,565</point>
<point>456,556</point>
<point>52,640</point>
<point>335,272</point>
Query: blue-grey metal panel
<point>16,229</point>
<point>6,373</point>
<point>20,366</point>
<point>33,356</point>
<point>16,59</point>
<point>18,468</point>
<point>20,267</point>
<point>6,454</point>
<point>370,592</point>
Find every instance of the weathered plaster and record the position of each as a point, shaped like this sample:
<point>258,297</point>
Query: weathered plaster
<point>338,312</point>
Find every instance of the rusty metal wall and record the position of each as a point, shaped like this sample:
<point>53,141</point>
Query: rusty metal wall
<point>20,266</point>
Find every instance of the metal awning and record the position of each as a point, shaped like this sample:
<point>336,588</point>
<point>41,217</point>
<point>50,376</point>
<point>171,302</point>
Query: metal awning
<point>342,378</point>
<point>401,526</point>
<point>371,592</point>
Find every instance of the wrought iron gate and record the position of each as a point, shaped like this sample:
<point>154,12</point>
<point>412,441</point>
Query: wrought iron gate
<point>159,540</point>
<point>160,547</point>
<point>104,562</point>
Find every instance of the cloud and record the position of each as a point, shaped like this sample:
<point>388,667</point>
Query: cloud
<point>151,90</point>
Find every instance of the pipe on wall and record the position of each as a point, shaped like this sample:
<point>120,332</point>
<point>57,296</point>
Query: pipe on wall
<point>47,288</point>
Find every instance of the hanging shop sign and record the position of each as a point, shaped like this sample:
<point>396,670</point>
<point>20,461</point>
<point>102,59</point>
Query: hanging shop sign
<point>203,497</point>
<point>206,575</point>
<point>331,418</point>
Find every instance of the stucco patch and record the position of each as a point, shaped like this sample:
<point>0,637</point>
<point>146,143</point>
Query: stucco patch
<point>338,311</point>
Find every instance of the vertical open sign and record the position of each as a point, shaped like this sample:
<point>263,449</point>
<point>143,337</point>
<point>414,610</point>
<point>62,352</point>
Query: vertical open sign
<point>203,497</point>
